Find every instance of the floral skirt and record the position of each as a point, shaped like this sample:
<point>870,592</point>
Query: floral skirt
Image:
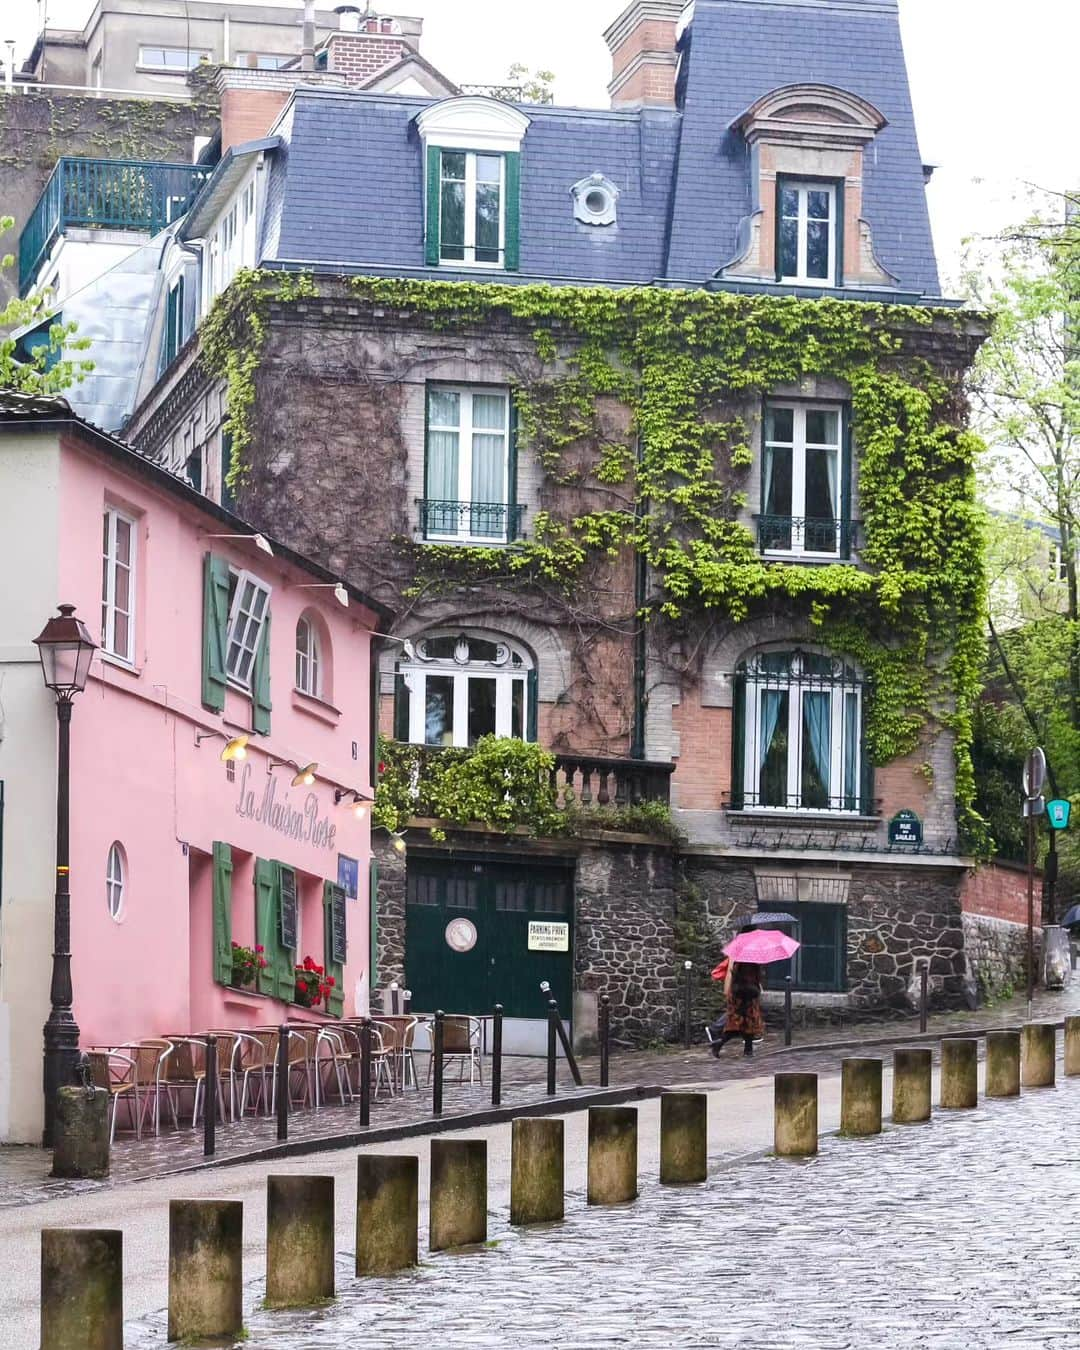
<point>744,1014</point>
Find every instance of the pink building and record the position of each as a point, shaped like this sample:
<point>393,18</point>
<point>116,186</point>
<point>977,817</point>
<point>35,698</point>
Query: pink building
<point>209,634</point>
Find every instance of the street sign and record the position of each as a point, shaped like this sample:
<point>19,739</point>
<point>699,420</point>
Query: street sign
<point>1034,773</point>
<point>1034,806</point>
<point>1058,813</point>
<point>905,828</point>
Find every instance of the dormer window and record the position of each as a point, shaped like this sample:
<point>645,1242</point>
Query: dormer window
<point>807,234</point>
<point>472,223</point>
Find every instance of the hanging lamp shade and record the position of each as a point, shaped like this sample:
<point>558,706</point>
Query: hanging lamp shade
<point>66,650</point>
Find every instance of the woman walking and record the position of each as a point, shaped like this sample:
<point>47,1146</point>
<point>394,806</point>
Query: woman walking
<point>742,992</point>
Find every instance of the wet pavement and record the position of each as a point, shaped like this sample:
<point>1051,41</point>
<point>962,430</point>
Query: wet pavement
<point>954,1233</point>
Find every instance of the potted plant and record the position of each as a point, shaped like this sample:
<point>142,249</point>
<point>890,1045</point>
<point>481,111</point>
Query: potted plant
<point>312,984</point>
<point>246,961</point>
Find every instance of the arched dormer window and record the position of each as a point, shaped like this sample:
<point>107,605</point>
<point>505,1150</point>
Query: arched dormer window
<point>472,157</point>
<point>464,685</point>
<point>313,659</point>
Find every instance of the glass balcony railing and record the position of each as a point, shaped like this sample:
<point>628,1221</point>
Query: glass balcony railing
<point>107,194</point>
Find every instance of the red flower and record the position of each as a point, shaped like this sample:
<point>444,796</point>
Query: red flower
<point>382,766</point>
<point>258,949</point>
<point>309,964</point>
<point>330,981</point>
<point>263,963</point>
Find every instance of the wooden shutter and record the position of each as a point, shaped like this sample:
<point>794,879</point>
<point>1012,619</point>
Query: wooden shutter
<point>284,957</point>
<point>434,189</point>
<point>266,920</point>
<point>513,212</point>
<point>373,923</point>
<point>260,682</point>
<point>215,630</point>
<point>738,739</point>
<point>333,895</point>
<point>222,905</point>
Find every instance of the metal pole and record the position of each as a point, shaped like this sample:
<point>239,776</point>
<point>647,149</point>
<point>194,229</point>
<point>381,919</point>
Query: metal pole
<point>61,1032</point>
<point>406,1001</point>
<point>496,1055</point>
<point>1030,909</point>
<point>365,1071</point>
<point>605,1038</point>
<point>688,1035</point>
<point>787,1009</point>
<point>924,996</point>
<point>282,1085</point>
<point>437,1064</point>
<point>210,1104</point>
<point>395,1005</point>
<point>553,1017</point>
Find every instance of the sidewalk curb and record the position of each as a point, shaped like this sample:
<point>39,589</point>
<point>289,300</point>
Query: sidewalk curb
<point>919,1038</point>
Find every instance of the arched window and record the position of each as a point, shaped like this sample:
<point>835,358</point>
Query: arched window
<point>463,686</point>
<point>799,734</point>
<point>309,662</point>
<point>115,881</point>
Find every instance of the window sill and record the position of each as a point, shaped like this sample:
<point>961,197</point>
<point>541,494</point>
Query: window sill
<point>812,559</point>
<point>316,707</point>
<point>463,541</point>
<point>784,816</point>
<point>118,663</point>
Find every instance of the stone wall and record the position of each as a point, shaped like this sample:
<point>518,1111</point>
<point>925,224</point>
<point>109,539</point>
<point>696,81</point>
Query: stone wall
<point>391,911</point>
<point>996,952</point>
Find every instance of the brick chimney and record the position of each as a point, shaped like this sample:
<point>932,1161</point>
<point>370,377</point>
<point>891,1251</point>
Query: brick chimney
<point>643,57</point>
<point>365,44</point>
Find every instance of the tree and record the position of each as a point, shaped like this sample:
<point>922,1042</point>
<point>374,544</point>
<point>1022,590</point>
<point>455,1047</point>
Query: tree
<point>53,365</point>
<point>536,85</point>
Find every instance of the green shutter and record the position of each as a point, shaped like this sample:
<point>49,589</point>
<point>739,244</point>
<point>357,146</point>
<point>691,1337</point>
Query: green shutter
<point>284,959</point>
<point>513,212</point>
<point>845,482</point>
<point>266,920</point>
<point>335,1000</point>
<point>260,683</point>
<point>434,189</point>
<point>373,923</point>
<point>222,891</point>
<point>738,739</point>
<point>401,711</point>
<point>215,628</point>
<point>511,475</point>
<point>532,708</point>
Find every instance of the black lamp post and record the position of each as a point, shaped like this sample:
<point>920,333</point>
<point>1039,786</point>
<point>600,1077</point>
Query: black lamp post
<point>66,650</point>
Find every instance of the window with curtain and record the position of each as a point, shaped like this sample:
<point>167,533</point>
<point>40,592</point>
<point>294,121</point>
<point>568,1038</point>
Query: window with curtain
<point>801,733</point>
<point>467,489</point>
<point>802,464</point>
<point>461,687</point>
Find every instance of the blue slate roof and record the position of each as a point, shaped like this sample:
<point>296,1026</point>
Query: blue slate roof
<point>347,186</point>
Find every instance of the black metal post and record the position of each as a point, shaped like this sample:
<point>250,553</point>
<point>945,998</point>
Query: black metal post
<point>395,994</point>
<point>787,1009</point>
<point>604,1020</point>
<point>281,1069</point>
<point>365,1071</point>
<point>924,995</point>
<point>553,1017</point>
<point>496,1055</point>
<point>406,1001</point>
<point>1030,907</point>
<point>61,1032</point>
<point>210,1104</point>
<point>437,1064</point>
<point>688,1034</point>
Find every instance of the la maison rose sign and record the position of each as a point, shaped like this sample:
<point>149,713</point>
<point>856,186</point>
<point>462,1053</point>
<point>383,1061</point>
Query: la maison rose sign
<point>306,823</point>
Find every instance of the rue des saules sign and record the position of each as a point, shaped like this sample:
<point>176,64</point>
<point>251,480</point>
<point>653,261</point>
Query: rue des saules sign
<point>305,822</point>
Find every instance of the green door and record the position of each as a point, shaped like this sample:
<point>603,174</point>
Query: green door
<point>480,931</point>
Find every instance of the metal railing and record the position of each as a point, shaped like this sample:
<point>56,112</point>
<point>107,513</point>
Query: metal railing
<point>809,802</point>
<point>112,194</point>
<point>807,534</point>
<point>590,781</point>
<point>508,93</point>
<point>492,521</point>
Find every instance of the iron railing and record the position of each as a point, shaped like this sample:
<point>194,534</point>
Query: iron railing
<point>508,93</point>
<point>807,534</point>
<point>113,194</point>
<point>810,803</point>
<point>589,780</point>
<point>469,520</point>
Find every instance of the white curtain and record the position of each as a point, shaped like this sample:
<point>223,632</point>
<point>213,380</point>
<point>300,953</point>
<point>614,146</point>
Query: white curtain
<point>489,448</point>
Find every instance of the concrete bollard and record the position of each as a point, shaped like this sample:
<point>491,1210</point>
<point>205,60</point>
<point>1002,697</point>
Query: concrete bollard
<point>387,1213</point>
<point>795,1123</point>
<point>82,1289</point>
<point>912,1076</point>
<point>299,1240</point>
<point>536,1171</point>
<point>1003,1064</point>
<point>612,1154</point>
<point>205,1268</point>
<point>458,1200</point>
<point>860,1097</point>
<point>684,1135</point>
<point>81,1133</point>
<point>1072,1045</point>
<point>1039,1059</point>
<point>959,1073</point>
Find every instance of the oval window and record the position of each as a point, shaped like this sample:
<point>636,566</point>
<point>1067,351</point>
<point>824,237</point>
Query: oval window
<point>115,882</point>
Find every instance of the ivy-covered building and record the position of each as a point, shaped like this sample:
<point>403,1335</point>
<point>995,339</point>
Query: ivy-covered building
<point>648,423</point>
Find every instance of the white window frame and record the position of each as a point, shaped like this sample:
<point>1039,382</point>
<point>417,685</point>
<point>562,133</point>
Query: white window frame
<point>466,430</point>
<point>199,54</point>
<point>804,187</point>
<point>416,677</point>
<point>308,659</point>
<point>798,447</point>
<point>469,247</point>
<point>110,609</point>
<point>244,630</point>
<point>116,881</point>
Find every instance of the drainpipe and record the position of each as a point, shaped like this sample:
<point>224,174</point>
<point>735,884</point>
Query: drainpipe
<point>641,572</point>
<point>307,56</point>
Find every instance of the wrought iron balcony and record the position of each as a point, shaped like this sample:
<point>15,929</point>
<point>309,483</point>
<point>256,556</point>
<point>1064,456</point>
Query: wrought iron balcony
<point>611,782</point>
<point>491,522</point>
<point>807,803</point>
<point>108,194</point>
<point>819,535</point>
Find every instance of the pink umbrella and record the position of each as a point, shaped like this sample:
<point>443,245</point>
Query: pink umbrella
<point>762,946</point>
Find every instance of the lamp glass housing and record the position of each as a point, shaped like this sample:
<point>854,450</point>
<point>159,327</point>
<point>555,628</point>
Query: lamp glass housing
<point>66,650</point>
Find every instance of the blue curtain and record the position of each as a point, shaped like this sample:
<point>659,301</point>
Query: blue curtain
<point>770,713</point>
<point>817,724</point>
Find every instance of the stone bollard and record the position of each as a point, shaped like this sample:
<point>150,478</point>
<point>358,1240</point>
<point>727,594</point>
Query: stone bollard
<point>81,1133</point>
<point>612,1154</point>
<point>795,1132</point>
<point>299,1240</point>
<point>536,1171</point>
<point>387,1213</point>
<point>860,1097</point>
<point>912,1076</point>
<point>1039,1060</point>
<point>1003,1064</point>
<point>1072,1045</point>
<point>684,1135</point>
<point>205,1269</point>
<point>82,1289</point>
<point>959,1073</point>
<point>458,1199</point>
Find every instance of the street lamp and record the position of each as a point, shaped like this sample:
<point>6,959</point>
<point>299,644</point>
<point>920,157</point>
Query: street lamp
<point>66,650</point>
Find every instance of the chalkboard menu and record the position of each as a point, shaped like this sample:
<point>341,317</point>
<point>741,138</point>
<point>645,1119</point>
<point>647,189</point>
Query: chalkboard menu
<point>337,924</point>
<point>287,908</point>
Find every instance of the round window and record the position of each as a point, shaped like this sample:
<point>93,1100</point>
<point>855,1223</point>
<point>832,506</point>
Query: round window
<point>596,201</point>
<point>115,881</point>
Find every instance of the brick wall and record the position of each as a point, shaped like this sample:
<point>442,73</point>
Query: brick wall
<point>358,56</point>
<point>999,891</point>
<point>703,765</point>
